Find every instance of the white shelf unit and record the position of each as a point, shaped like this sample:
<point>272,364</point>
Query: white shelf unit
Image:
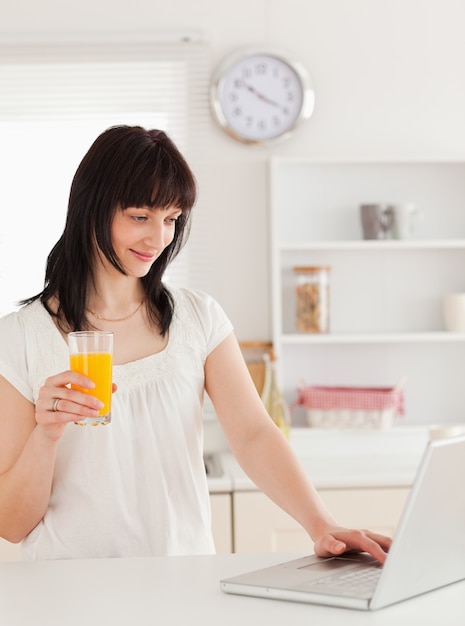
<point>385,296</point>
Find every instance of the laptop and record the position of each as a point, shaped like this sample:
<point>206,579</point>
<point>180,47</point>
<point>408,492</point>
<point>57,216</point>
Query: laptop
<point>427,552</point>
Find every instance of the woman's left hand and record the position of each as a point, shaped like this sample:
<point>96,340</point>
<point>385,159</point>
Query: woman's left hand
<point>338,540</point>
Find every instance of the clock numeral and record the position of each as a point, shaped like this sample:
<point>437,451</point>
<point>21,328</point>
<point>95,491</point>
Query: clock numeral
<point>276,121</point>
<point>238,83</point>
<point>237,111</point>
<point>248,120</point>
<point>260,68</point>
<point>233,96</point>
<point>290,96</point>
<point>246,72</point>
<point>262,124</point>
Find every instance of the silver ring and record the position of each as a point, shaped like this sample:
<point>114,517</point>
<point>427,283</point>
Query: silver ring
<point>55,404</point>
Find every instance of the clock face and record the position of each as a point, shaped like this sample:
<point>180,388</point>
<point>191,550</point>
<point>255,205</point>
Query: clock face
<point>259,97</point>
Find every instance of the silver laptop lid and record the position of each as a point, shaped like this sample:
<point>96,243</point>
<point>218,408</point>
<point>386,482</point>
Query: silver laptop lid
<point>428,550</point>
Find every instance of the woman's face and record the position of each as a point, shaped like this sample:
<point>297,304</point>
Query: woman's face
<point>139,236</point>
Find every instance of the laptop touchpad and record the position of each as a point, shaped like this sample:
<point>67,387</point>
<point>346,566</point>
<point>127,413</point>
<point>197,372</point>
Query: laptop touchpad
<point>328,566</point>
<point>332,564</point>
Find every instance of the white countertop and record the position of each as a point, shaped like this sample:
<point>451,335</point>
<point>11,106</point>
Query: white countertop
<point>343,458</point>
<point>180,591</point>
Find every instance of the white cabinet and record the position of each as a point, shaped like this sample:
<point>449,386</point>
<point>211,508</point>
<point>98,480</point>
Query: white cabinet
<point>386,296</point>
<point>221,505</point>
<point>261,526</point>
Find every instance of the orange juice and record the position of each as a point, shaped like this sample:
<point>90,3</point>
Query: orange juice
<point>98,367</point>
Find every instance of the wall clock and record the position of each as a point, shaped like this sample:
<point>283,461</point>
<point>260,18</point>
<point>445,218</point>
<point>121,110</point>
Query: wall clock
<point>259,95</point>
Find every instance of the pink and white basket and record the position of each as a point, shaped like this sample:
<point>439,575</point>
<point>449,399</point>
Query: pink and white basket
<point>351,407</point>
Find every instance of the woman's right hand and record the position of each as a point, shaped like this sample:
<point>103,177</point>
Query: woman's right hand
<point>58,404</point>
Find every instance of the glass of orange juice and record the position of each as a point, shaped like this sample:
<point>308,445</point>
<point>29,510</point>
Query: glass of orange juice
<point>91,354</point>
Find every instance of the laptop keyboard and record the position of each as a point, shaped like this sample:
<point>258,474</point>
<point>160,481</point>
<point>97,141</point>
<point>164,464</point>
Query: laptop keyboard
<point>356,582</point>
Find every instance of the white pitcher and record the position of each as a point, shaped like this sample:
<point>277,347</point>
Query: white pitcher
<point>406,217</point>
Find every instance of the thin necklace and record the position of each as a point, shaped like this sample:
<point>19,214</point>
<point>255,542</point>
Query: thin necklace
<point>120,319</point>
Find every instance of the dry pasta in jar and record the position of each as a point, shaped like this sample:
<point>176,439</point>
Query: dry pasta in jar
<point>312,299</point>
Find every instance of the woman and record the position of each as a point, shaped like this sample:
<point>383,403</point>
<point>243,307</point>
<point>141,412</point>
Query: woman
<point>136,487</point>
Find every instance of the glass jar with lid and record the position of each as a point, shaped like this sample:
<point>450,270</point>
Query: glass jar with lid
<point>312,298</point>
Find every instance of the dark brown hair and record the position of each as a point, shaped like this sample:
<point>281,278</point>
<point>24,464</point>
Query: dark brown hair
<point>126,166</point>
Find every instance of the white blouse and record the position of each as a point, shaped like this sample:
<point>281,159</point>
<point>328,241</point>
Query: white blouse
<point>136,487</point>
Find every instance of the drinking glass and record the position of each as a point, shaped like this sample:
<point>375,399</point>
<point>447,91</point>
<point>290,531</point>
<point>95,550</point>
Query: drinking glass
<point>91,354</point>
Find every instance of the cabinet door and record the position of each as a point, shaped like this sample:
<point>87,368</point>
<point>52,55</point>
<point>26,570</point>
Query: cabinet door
<point>222,522</point>
<point>261,526</point>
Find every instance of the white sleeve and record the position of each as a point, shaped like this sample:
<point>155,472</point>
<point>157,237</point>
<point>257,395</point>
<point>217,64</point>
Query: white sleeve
<point>214,322</point>
<point>14,354</point>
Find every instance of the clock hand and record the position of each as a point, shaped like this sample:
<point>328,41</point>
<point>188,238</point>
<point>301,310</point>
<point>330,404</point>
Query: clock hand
<point>260,95</point>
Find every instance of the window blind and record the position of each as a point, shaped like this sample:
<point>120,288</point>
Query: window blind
<point>54,101</point>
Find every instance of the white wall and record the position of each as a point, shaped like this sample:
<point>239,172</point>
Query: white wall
<point>389,79</point>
